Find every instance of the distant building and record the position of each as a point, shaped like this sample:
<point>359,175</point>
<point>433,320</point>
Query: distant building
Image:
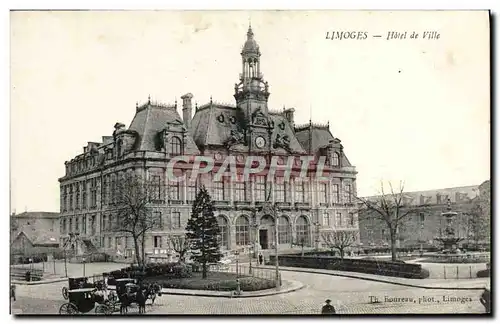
<point>423,226</point>
<point>33,242</point>
<point>27,222</point>
<point>249,127</point>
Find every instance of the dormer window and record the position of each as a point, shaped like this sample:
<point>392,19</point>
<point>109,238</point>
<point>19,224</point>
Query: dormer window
<point>336,159</point>
<point>175,146</point>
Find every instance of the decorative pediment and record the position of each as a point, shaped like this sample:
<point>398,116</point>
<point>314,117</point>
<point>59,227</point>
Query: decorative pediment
<point>267,209</point>
<point>259,118</point>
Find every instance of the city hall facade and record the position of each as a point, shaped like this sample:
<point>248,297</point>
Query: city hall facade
<point>306,206</point>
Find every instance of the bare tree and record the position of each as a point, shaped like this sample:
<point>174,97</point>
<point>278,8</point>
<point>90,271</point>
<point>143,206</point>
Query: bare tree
<point>132,195</point>
<point>391,210</point>
<point>339,240</point>
<point>180,245</point>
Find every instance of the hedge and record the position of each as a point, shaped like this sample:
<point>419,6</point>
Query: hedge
<point>384,268</point>
<point>171,270</point>
<point>246,284</point>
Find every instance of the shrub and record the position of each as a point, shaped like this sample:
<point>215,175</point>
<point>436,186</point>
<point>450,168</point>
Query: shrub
<point>483,273</point>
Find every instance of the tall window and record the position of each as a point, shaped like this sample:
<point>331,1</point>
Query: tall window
<point>326,219</point>
<point>279,189</point>
<point>92,225</point>
<point>93,192</point>
<point>157,219</point>
<point>174,189</point>
<point>348,193</point>
<point>113,189</point>
<point>224,232</point>
<point>284,236</point>
<point>299,191</point>
<point>71,225</point>
<point>242,231</point>
<point>340,222</point>
<point>260,188</point>
<point>336,195</point>
<point>77,225</point>
<point>176,220</point>
<point>105,189</point>
<point>336,159</point>
<point>156,194</point>
<point>175,146</point>
<point>84,194</point>
<point>191,189</point>
<point>70,197</point>
<point>157,241</point>
<point>77,200</point>
<point>84,224</point>
<point>218,190</point>
<point>322,193</point>
<point>351,219</point>
<point>65,198</point>
<point>110,223</point>
<point>302,230</point>
<point>422,218</point>
<point>239,191</point>
<point>104,222</point>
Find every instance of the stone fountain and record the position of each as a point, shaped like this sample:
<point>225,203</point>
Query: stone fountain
<point>449,240</point>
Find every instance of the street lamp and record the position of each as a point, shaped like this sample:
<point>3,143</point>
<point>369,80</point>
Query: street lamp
<point>83,259</point>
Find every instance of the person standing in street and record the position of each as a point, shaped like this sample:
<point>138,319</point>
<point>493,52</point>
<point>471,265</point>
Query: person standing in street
<point>261,258</point>
<point>328,309</point>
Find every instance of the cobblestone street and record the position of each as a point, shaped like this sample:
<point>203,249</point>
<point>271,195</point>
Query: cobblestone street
<point>349,296</point>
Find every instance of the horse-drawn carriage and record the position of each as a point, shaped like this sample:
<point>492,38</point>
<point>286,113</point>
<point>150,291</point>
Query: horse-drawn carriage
<point>129,291</point>
<point>82,282</point>
<point>83,300</point>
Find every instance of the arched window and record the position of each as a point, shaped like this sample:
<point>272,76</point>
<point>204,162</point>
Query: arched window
<point>175,148</point>
<point>242,231</point>
<point>284,236</point>
<point>224,232</point>
<point>302,230</point>
<point>336,159</point>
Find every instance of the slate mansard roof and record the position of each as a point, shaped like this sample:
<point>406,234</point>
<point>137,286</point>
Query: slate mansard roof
<point>210,129</point>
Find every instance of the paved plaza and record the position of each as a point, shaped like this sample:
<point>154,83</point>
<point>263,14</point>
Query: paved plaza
<point>350,296</point>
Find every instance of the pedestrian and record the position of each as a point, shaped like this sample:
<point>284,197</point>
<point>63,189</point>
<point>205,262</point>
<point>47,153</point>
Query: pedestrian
<point>485,299</point>
<point>261,258</point>
<point>327,308</point>
<point>13,292</point>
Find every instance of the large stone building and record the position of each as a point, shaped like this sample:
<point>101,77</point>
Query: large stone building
<point>426,223</point>
<point>157,133</point>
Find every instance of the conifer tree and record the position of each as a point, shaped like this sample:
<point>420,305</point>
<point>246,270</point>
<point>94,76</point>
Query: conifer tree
<point>202,231</point>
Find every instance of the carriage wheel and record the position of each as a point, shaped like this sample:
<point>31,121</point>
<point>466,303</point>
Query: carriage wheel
<point>68,309</point>
<point>65,293</point>
<point>108,309</point>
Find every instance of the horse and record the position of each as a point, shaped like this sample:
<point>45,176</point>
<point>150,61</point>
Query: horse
<point>124,302</point>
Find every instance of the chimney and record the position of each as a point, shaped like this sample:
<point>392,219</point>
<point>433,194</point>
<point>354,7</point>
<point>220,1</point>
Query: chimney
<point>187,109</point>
<point>289,115</point>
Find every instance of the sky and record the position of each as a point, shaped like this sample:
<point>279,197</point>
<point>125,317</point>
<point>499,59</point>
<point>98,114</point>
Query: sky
<point>416,110</point>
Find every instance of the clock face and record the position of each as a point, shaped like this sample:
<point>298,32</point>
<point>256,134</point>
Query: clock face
<point>260,142</point>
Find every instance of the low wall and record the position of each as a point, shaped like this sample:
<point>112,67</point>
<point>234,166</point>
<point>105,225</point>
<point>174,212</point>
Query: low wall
<point>384,268</point>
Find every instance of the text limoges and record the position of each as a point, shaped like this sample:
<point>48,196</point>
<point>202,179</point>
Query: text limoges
<point>340,35</point>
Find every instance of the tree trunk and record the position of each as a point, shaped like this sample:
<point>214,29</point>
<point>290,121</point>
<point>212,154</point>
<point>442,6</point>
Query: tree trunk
<point>137,250</point>
<point>341,250</point>
<point>143,256</point>
<point>204,270</point>
<point>394,252</point>
<point>302,253</point>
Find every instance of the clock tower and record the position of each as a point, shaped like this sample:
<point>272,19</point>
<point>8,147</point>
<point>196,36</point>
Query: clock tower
<point>251,94</point>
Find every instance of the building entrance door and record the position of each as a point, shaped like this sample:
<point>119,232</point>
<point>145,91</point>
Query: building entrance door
<point>263,239</point>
